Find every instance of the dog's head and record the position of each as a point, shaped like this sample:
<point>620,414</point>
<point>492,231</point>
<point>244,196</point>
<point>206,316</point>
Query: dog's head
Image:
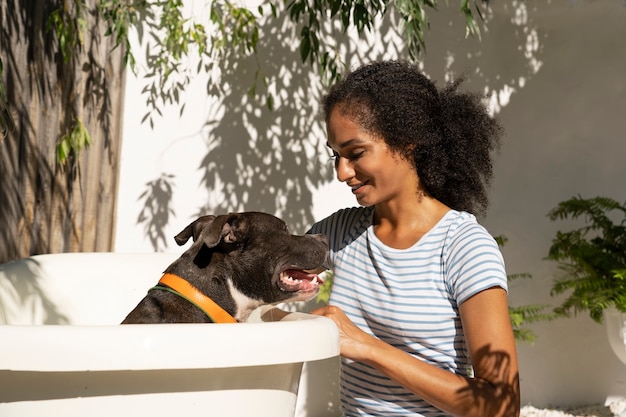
<point>258,254</point>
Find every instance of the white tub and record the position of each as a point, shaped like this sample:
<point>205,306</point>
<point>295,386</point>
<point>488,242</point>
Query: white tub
<point>62,352</point>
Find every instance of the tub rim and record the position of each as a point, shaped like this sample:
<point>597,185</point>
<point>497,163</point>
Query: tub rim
<point>300,337</point>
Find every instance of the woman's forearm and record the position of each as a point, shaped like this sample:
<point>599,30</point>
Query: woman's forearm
<point>454,394</point>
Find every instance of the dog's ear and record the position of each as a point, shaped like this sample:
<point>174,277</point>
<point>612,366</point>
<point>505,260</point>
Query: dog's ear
<point>222,229</point>
<point>194,229</point>
<point>211,230</point>
<point>228,234</point>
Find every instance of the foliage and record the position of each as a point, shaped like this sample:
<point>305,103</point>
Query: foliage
<point>323,296</point>
<point>521,316</point>
<point>121,16</point>
<point>172,36</point>
<point>235,29</point>
<point>71,143</point>
<point>362,15</point>
<point>231,29</point>
<point>173,40</point>
<point>69,25</point>
<point>592,258</point>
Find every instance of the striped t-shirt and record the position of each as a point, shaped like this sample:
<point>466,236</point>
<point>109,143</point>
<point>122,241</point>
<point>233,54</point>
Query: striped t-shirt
<point>408,298</point>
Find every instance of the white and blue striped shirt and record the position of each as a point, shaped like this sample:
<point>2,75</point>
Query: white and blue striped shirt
<point>408,298</point>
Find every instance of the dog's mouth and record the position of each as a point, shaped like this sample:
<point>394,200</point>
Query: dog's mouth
<point>297,280</point>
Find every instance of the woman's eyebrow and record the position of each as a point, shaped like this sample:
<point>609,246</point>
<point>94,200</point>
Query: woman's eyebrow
<point>348,143</point>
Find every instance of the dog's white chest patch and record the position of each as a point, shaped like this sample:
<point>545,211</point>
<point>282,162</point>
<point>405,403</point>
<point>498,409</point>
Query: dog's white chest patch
<point>244,304</point>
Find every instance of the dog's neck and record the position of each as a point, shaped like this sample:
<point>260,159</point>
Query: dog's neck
<point>183,288</point>
<point>244,305</point>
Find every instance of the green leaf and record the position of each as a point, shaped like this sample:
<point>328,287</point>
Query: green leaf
<point>591,257</point>
<point>305,46</point>
<point>270,102</point>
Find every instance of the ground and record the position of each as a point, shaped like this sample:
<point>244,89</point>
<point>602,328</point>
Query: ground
<point>614,408</point>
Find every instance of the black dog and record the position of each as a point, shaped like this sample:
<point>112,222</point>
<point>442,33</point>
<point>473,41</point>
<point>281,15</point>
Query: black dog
<point>237,263</point>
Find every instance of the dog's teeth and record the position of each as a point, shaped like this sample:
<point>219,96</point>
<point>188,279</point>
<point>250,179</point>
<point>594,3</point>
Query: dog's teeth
<point>312,280</point>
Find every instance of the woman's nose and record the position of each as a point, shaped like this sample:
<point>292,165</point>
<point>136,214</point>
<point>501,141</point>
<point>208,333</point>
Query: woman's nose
<point>344,169</point>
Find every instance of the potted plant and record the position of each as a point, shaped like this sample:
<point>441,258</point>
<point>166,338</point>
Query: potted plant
<point>592,260</point>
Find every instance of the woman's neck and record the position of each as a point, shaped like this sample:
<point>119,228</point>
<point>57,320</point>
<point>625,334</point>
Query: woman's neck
<point>402,224</point>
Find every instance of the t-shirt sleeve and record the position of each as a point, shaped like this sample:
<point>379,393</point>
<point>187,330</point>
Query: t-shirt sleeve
<point>474,262</point>
<point>340,228</point>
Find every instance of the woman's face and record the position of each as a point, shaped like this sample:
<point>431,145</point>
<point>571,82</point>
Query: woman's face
<point>366,164</point>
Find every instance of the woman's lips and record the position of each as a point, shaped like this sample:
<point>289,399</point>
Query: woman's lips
<point>355,188</point>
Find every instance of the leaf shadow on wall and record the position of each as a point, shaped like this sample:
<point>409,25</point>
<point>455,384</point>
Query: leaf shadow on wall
<point>261,159</point>
<point>272,161</point>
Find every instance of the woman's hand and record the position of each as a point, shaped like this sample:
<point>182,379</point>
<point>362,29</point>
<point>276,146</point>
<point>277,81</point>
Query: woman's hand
<point>353,342</point>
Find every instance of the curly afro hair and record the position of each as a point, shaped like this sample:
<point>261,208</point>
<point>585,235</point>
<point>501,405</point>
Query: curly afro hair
<point>447,134</point>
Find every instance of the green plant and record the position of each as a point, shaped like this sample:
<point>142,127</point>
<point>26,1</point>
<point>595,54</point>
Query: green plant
<point>231,30</point>
<point>592,258</point>
<point>68,22</point>
<point>324,295</point>
<point>362,16</point>
<point>521,316</point>
<point>72,142</point>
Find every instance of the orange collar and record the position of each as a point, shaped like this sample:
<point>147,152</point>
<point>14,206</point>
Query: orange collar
<point>183,288</point>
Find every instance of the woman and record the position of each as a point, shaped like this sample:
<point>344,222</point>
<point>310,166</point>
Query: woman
<point>419,291</point>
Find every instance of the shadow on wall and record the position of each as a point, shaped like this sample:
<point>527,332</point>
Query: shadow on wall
<point>45,207</point>
<point>21,295</point>
<point>259,159</point>
<point>27,182</point>
<point>21,160</point>
<point>500,64</point>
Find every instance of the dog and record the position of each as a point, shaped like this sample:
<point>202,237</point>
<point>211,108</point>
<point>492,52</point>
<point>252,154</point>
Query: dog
<point>237,262</point>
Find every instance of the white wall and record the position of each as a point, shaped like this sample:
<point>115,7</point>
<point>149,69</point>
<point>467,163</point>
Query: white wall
<point>556,75</point>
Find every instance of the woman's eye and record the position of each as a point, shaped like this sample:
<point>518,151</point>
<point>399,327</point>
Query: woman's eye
<point>352,156</point>
<point>355,155</point>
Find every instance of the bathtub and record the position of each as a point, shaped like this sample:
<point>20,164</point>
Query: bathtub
<point>62,352</point>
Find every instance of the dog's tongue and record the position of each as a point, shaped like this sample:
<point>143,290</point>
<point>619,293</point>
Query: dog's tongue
<point>303,275</point>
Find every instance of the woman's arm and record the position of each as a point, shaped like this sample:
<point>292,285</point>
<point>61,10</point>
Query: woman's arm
<point>494,390</point>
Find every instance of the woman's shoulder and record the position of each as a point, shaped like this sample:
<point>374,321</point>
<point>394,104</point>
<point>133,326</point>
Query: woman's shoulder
<point>463,227</point>
<point>459,221</point>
